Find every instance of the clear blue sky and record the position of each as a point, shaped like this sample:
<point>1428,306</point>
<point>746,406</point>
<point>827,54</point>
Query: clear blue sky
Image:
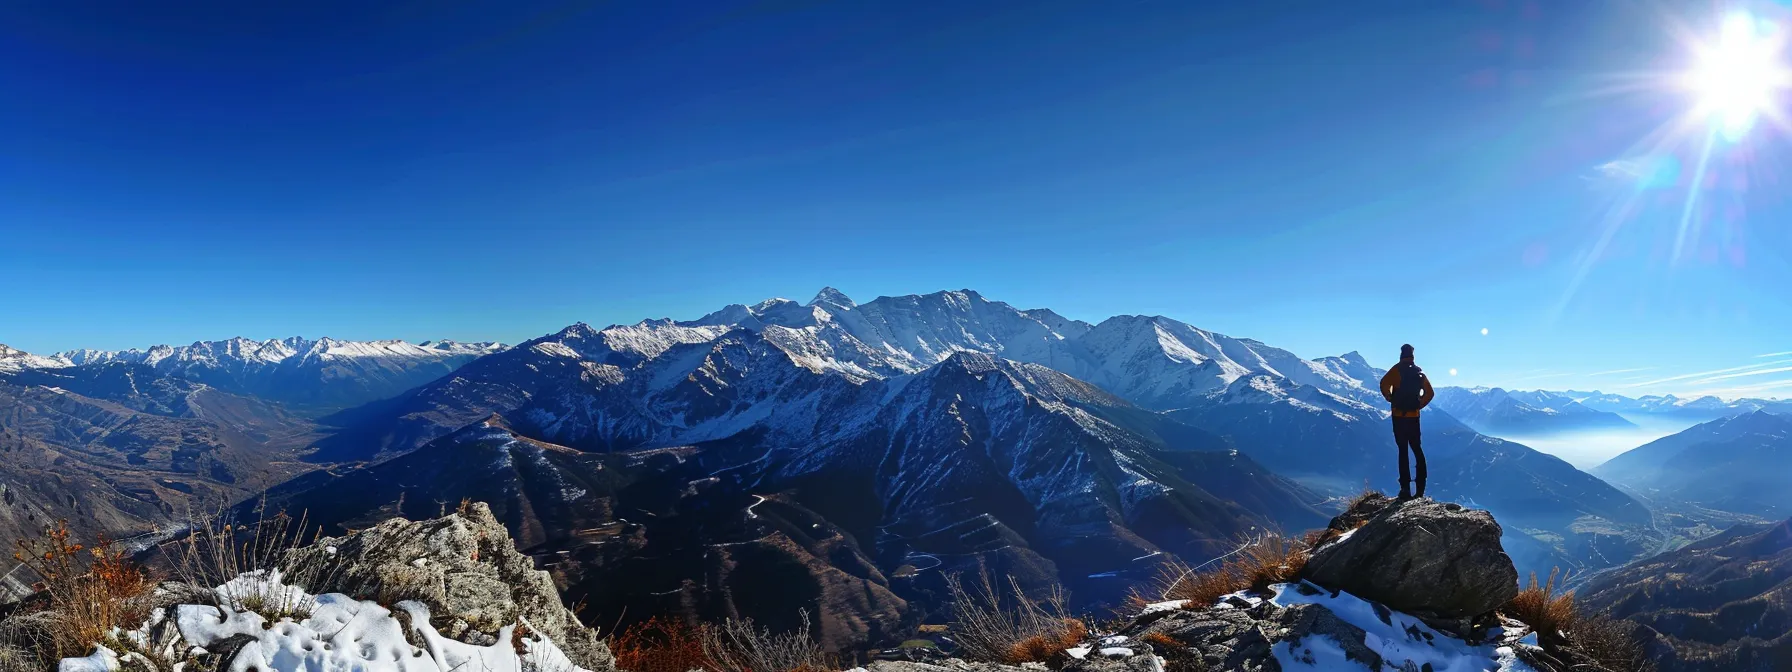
<point>1331,179</point>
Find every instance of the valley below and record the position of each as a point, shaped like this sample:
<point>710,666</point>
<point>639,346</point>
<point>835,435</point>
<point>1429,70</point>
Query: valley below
<point>843,460</point>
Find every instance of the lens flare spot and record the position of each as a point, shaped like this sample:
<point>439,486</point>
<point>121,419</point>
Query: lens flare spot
<point>1483,331</point>
<point>1452,372</point>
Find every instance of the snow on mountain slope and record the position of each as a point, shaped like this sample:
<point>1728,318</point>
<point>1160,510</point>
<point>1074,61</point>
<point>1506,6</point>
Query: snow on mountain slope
<point>325,372</point>
<point>1014,432</point>
<point>1404,642</point>
<point>1157,362</point>
<point>918,331</point>
<point>13,360</point>
<point>1163,363</point>
<point>1352,367</point>
<point>696,392</point>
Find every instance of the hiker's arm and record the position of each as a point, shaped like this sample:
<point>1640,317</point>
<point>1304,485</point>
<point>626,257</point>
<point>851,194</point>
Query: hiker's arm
<point>1428,393</point>
<point>1387,385</point>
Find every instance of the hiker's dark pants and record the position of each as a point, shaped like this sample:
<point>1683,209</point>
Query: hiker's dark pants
<point>1406,436</point>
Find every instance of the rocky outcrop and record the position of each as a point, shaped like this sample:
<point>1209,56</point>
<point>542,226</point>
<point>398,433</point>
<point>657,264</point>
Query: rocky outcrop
<point>1233,638</point>
<point>1422,557</point>
<point>465,569</point>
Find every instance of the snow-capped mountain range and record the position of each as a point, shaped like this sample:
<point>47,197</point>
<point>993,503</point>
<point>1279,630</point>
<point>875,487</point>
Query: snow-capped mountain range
<point>242,352</point>
<point>325,372</point>
<point>794,391</point>
<point>13,360</point>
<point>1668,405</point>
<point>1504,413</point>
<point>1154,362</point>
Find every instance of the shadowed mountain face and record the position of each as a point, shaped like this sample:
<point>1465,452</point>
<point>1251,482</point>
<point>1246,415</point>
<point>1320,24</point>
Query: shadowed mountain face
<point>1741,463</point>
<point>638,533</point>
<point>852,507</point>
<point>1724,603</point>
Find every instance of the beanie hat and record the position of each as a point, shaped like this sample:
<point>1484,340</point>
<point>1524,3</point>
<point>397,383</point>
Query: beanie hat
<point>1406,351</point>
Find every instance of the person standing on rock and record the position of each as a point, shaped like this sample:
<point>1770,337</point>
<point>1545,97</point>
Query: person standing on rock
<point>1409,391</point>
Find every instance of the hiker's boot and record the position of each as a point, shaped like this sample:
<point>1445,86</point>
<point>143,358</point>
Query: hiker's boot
<point>1406,491</point>
<point>1420,493</point>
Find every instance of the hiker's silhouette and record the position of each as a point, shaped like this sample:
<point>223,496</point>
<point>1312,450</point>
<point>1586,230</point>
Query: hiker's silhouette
<point>1408,390</point>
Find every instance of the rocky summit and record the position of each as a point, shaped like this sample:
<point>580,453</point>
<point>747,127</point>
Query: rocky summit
<point>1420,556</point>
<point>465,569</point>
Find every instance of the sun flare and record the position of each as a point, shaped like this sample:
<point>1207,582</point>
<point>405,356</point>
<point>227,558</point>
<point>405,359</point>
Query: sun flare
<point>1737,77</point>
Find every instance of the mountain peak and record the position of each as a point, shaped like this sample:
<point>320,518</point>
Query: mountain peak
<point>14,359</point>
<point>576,330</point>
<point>830,297</point>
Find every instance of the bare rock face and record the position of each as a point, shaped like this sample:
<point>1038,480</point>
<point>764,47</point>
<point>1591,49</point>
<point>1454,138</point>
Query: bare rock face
<point>1421,557</point>
<point>464,567</point>
<point>1242,638</point>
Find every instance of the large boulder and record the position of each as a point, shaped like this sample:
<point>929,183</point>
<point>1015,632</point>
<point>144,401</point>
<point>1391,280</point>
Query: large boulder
<point>465,569</point>
<point>1422,557</point>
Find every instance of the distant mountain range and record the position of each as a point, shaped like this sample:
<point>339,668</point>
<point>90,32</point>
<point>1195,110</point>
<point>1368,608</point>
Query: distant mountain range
<point>126,442</point>
<point>1696,408</point>
<point>1739,463</point>
<point>1514,413</point>
<point>326,372</point>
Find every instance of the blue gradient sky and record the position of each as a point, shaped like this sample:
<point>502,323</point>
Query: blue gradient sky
<point>1326,180</point>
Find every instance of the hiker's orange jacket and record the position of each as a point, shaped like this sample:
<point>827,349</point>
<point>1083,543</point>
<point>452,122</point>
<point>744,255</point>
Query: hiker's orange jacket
<point>1392,379</point>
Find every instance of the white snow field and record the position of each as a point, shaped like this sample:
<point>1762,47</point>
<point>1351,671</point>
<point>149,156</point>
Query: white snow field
<point>339,633</point>
<point>1404,642</point>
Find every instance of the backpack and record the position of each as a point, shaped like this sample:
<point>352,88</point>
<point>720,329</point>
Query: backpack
<point>1411,385</point>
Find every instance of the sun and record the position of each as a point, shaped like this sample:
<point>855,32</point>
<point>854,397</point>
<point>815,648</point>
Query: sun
<point>1736,78</point>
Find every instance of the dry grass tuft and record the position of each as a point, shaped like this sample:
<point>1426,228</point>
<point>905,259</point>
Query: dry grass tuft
<point>736,645</point>
<point>1361,498</point>
<point>1001,626</point>
<point>659,645</point>
<point>1200,587</point>
<point>1273,559</point>
<point>1178,657</point>
<point>1608,642</point>
<point>91,592</point>
<point>1255,564</point>
<point>1043,647</point>
<point>1567,632</point>
<point>255,559</point>
<point>1548,612</point>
